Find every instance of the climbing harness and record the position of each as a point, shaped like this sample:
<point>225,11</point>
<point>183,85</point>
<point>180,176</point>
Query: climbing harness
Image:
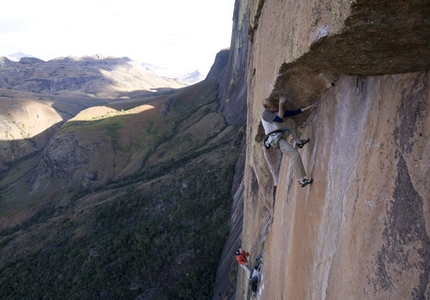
<point>276,138</point>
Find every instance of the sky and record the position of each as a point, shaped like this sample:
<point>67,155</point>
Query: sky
<point>179,35</point>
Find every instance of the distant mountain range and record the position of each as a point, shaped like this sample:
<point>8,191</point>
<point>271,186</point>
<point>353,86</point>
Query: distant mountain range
<point>99,75</point>
<point>187,78</point>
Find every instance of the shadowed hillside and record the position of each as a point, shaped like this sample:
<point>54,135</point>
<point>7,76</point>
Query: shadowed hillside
<point>36,95</point>
<point>116,201</point>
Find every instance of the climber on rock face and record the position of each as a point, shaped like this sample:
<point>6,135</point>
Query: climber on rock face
<point>277,127</point>
<point>241,257</point>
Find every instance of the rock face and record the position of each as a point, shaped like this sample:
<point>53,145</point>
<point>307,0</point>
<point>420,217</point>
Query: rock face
<point>230,70</point>
<point>361,230</point>
<point>220,62</point>
<point>233,85</point>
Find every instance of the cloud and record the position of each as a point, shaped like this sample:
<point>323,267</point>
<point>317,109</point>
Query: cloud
<point>182,35</point>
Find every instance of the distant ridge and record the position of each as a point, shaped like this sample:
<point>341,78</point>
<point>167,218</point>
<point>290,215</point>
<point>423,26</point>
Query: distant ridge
<point>18,55</point>
<point>98,74</point>
<point>189,78</point>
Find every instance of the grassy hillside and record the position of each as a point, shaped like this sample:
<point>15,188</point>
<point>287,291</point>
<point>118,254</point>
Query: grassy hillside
<point>151,225</point>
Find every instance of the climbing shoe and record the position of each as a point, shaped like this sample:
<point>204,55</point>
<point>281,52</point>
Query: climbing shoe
<point>304,142</point>
<point>304,181</point>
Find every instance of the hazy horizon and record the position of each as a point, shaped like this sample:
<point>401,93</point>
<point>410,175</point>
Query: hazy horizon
<point>178,36</point>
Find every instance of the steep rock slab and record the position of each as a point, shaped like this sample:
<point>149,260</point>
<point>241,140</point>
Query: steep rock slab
<point>362,228</point>
<point>344,235</point>
<point>233,80</point>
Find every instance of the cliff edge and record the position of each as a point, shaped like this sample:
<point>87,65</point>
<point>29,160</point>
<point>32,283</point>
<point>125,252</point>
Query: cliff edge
<point>361,230</point>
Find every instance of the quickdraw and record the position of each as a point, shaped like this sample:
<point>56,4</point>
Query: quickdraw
<point>359,87</point>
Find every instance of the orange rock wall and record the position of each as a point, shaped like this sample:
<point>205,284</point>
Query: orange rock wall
<point>361,230</point>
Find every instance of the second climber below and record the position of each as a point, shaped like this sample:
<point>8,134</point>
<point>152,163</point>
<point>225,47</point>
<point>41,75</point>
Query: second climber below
<point>277,127</point>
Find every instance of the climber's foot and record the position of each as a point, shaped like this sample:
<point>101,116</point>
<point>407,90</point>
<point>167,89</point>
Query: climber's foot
<point>305,181</point>
<point>304,142</point>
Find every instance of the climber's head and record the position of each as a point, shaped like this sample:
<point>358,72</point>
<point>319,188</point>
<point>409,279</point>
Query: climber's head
<point>270,104</point>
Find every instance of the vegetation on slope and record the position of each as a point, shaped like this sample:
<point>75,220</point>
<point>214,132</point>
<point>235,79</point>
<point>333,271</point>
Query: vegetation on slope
<point>156,233</point>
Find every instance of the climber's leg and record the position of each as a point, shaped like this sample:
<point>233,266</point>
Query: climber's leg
<point>295,159</point>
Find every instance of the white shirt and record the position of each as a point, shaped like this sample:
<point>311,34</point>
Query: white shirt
<point>269,125</point>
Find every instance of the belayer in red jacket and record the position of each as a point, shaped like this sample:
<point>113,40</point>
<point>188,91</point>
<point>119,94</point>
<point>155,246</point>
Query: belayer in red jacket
<point>241,257</point>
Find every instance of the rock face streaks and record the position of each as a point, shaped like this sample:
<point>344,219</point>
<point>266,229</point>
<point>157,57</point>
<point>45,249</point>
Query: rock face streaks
<point>361,230</point>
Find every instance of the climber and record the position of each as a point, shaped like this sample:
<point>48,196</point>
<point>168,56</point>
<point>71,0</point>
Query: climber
<point>255,277</point>
<point>241,257</point>
<point>277,130</point>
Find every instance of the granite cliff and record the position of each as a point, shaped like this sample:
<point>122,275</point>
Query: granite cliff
<point>361,230</point>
